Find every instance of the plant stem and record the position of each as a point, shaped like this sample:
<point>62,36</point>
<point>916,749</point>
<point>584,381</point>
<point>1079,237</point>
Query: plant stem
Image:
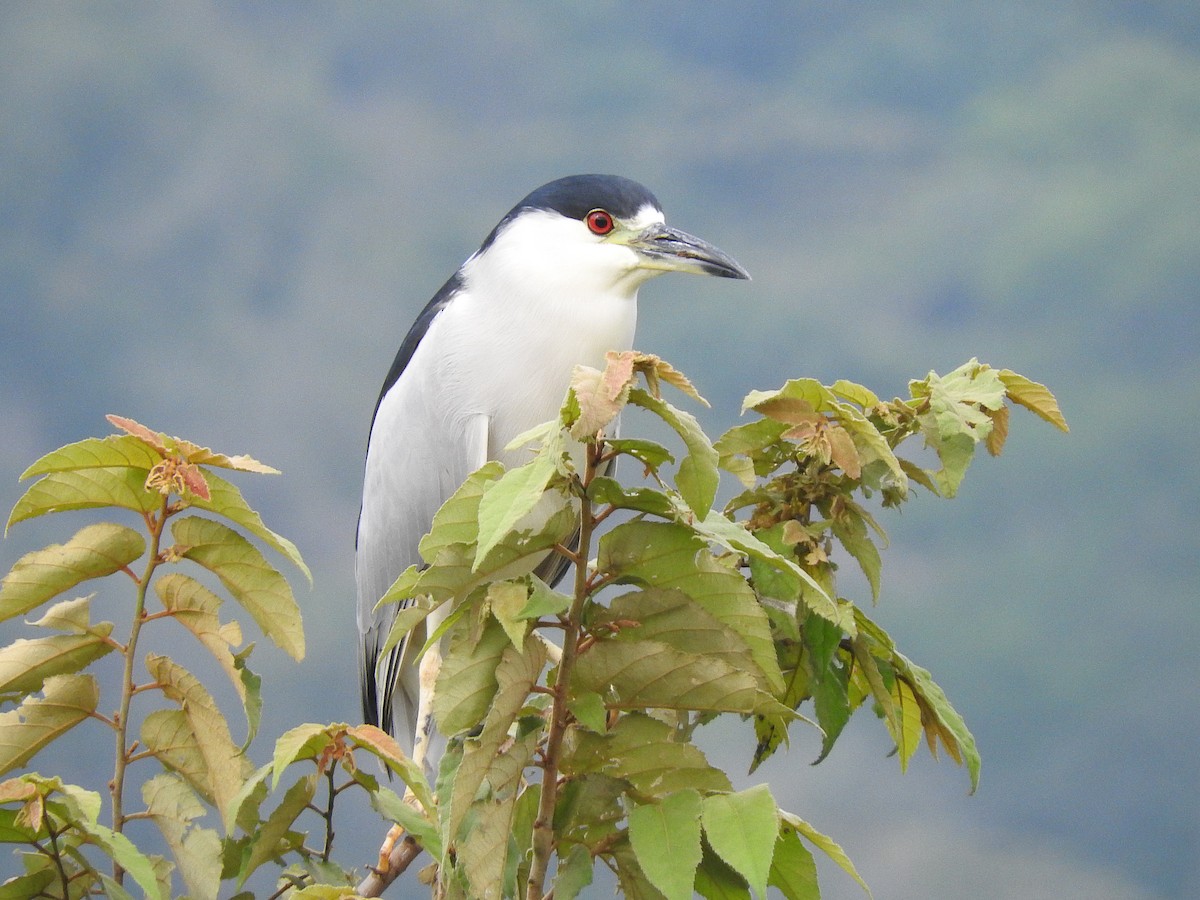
<point>543,826</point>
<point>156,525</point>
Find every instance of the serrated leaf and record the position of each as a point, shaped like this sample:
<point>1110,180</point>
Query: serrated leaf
<point>907,730</point>
<point>588,710</point>
<point>457,521</point>
<point>959,741</point>
<point>65,702</point>
<point>384,747</point>
<point>793,870</point>
<point>674,618</point>
<point>112,452</point>
<point>1034,397</point>
<point>196,851</point>
<point>482,854</point>
<point>850,528</point>
<point>643,752</point>
<point>32,884</point>
<point>167,734</point>
<point>633,883</point>
<point>666,838</point>
<point>225,766</point>
<point>71,616</point>
<point>697,477</point>
<point>227,501</point>
<point>574,873</point>
<point>543,601</point>
<point>650,674</point>
<point>599,396</point>
<point>733,536</point>
<point>506,599</point>
<point>26,664</point>
<point>254,583</point>
<point>265,843</point>
<point>742,828</point>
<point>466,682</point>
<point>514,496</point>
<point>827,846</point>
<point>195,607</point>
<point>515,675</point>
<point>305,741</point>
<point>123,488</point>
<point>716,881</point>
<point>855,393</point>
<point>650,454</point>
<point>610,492</point>
<point>193,453</point>
<point>122,851</point>
<point>393,808</point>
<point>93,552</point>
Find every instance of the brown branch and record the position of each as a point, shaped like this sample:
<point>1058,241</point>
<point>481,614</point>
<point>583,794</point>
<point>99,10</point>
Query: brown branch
<point>401,857</point>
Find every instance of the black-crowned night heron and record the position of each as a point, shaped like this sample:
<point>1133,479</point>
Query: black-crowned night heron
<point>553,286</point>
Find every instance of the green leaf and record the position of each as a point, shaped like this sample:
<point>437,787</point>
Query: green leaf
<point>393,808</point>
<point>733,536</point>
<point>543,601</point>
<point>483,847</point>
<point>793,869</point>
<point>112,452</point>
<point>742,828</point>
<point>855,393</point>
<point>650,454</point>
<point>120,849</point>
<point>457,522</point>
<point>508,501</point>
<point>26,664</point>
<point>73,617</point>
<point>32,884</point>
<point>827,846</point>
<point>574,873</point>
<point>227,501</point>
<point>716,881</point>
<point>952,730</point>
<point>254,583</point>
<point>506,599</point>
<point>632,881</point>
<point>850,527</point>
<point>606,491</point>
<point>907,729</point>
<point>86,489</point>
<point>674,618</point>
<point>174,807</point>
<point>1034,397</point>
<point>93,552</point>
<point>589,711</point>
<point>515,675</point>
<point>466,682</point>
<point>697,478</point>
<point>666,838</point>
<point>65,702</point>
<point>195,607</point>
<point>384,747</point>
<point>225,767</point>
<point>269,841</point>
<point>642,751</point>
<point>650,674</point>
<point>307,741</point>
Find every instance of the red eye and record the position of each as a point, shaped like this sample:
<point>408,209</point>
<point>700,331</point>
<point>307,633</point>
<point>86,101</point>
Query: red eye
<point>599,222</point>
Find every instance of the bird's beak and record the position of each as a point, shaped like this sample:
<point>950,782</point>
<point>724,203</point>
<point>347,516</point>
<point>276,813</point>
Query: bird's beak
<point>665,249</point>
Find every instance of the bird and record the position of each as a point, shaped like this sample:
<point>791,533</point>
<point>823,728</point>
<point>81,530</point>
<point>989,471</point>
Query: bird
<point>554,285</point>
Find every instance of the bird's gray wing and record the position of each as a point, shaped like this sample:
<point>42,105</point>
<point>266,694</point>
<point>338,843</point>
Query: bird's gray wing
<point>416,459</point>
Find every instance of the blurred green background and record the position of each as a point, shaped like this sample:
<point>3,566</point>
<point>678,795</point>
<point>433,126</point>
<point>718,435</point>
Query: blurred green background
<point>221,219</point>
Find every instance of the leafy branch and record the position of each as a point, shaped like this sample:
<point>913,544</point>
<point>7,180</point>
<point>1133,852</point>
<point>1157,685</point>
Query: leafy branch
<point>570,715</point>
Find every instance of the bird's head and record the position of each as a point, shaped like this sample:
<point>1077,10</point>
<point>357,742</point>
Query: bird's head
<point>593,234</point>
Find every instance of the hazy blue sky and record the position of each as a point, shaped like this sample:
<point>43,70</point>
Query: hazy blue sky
<point>220,219</point>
